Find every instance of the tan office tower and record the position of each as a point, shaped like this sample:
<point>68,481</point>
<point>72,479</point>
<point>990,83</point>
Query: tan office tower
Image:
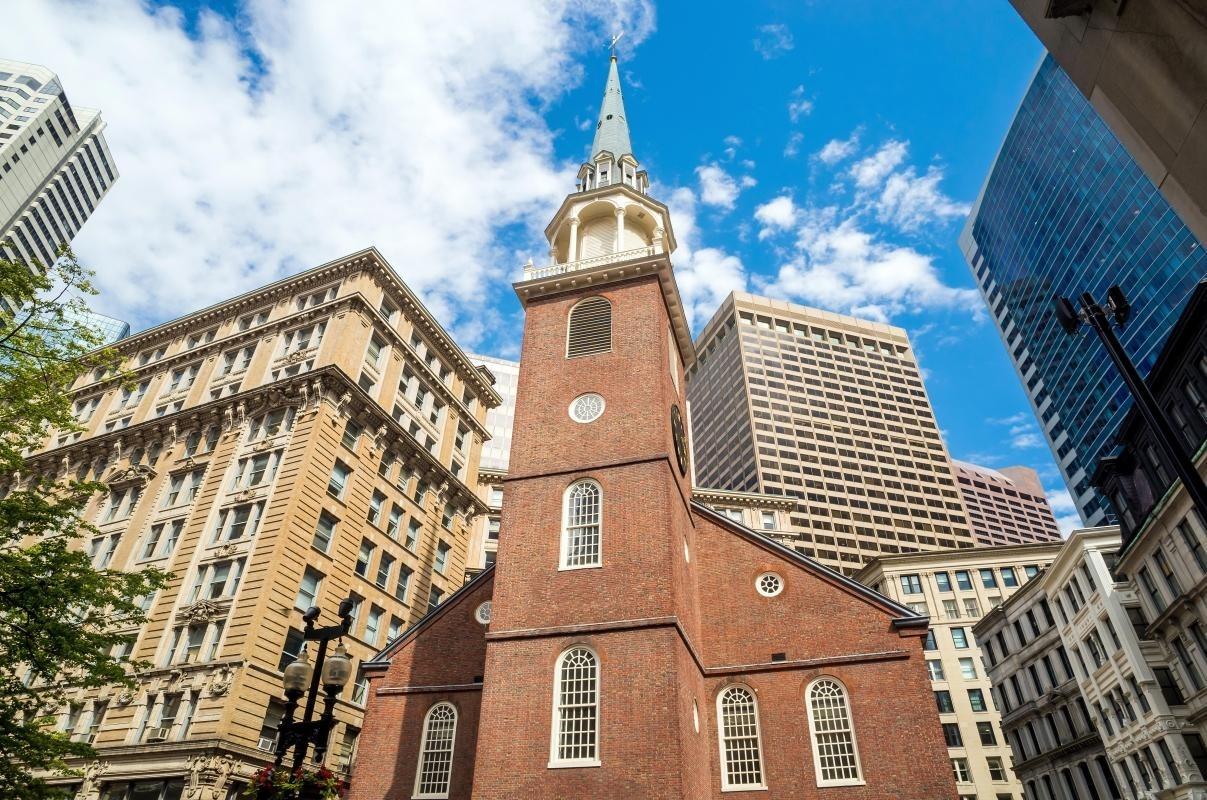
<point>829,410</point>
<point>1006,506</point>
<point>308,441</point>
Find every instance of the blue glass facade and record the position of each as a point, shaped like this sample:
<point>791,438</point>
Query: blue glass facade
<point>1066,210</point>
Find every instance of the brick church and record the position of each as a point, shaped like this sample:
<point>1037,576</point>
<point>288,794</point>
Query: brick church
<point>631,643</point>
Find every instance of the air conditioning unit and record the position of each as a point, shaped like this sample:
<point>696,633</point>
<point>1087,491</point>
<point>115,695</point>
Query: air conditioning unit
<point>158,734</point>
<point>267,744</point>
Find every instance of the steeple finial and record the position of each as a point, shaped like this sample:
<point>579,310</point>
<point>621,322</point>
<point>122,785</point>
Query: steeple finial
<point>612,129</point>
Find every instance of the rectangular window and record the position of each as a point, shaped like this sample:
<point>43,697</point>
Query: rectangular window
<point>442,556</point>
<point>997,771</point>
<point>395,522</point>
<point>929,643</point>
<point>959,638</point>
<point>986,734</point>
<point>963,579</point>
<point>308,591</point>
<point>968,669</point>
<point>434,597</point>
<point>1009,577</point>
<point>976,699</point>
<point>951,609</point>
<point>256,470</point>
<point>911,584</point>
<point>943,702</point>
<point>934,668</point>
<point>162,538</point>
<point>384,567</point>
<point>338,482</point>
<point>1171,580</point>
<point>324,532</point>
<point>951,734</point>
<point>352,431</point>
<point>1150,589</point>
<point>1193,543</point>
<point>943,581</point>
<point>182,488</point>
<point>364,557</point>
<point>959,767</point>
<point>413,533</point>
<point>373,625</point>
<point>971,607</point>
<point>376,502</point>
<point>238,521</point>
<point>404,582</point>
<point>988,579</point>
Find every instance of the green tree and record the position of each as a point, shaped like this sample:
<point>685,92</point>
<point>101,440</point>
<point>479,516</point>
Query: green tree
<point>59,616</point>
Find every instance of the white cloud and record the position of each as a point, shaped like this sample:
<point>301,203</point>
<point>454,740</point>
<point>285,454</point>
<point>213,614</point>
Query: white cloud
<point>1064,509</point>
<point>910,201</point>
<point>792,148</point>
<point>844,267</point>
<point>837,150</point>
<point>706,275</point>
<point>776,215</point>
<point>719,188</point>
<point>799,106</point>
<point>773,41</point>
<point>405,131</point>
<point>870,171</point>
<point>1022,431</point>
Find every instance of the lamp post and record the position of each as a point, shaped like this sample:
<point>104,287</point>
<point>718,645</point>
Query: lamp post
<point>1119,309</point>
<point>303,678</point>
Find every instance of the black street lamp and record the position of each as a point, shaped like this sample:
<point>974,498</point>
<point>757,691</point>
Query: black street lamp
<point>1119,309</point>
<point>302,678</point>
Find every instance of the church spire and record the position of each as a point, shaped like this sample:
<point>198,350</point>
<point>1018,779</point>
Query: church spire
<point>612,130</point>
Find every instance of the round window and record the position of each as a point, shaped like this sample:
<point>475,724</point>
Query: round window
<point>587,407</point>
<point>482,615</point>
<point>769,584</point>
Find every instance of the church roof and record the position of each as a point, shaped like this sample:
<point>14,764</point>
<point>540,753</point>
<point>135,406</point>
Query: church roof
<point>612,130</point>
<point>903,616</point>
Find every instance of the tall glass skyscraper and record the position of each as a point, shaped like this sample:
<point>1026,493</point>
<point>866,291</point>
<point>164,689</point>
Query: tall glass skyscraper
<point>1066,210</point>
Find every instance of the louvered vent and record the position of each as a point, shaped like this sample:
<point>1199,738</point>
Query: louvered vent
<point>590,328</point>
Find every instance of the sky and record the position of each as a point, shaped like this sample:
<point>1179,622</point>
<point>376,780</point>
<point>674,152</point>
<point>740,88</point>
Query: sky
<point>825,153</point>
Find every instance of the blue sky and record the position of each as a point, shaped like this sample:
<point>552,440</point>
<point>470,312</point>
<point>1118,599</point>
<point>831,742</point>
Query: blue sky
<point>825,152</point>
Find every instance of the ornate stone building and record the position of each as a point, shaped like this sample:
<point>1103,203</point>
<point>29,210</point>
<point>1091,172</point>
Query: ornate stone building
<point>308,441</point>
<point>629,642</point>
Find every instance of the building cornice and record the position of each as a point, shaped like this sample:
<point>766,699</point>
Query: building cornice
<point>954,556</point>
<point>368,259</point>
<point>745,499</point>
<point>350,302</point>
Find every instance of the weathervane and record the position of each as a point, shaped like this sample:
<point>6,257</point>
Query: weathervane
<point>615,39</point>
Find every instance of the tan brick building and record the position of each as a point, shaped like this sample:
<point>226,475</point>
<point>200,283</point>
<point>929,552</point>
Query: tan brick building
<point>308,441</point>
<point>1006,506</point>
<point>629,642</point>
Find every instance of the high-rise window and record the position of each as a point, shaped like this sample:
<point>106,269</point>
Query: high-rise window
<point>738,718</point>
<point>434,774</point>
<point>576,709</point>
<point>581,531</point>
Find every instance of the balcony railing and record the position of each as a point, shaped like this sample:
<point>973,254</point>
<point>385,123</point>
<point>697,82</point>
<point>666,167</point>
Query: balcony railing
<point>532,272</point>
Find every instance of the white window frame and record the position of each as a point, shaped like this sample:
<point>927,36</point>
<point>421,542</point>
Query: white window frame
<point>813,734</point>
<point>555,761</point>
<point>565,537</point>
<point>423,742</point>
<point>726,785</point>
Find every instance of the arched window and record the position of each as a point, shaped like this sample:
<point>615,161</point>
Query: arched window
<point>581,528</point>
<point>436,752</point>
<point>738,723</point>
<point>590,328</point>
<point>834,755</point>
<point>575,709</point>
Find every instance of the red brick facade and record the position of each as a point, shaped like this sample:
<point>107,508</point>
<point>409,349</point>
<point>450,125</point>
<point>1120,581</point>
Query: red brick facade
<point>672,614</point>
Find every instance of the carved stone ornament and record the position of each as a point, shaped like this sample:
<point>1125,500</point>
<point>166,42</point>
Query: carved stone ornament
<point>221,681</point>
<point>227,550</point>
<point>246,494</point>
<point>90,789</point>
<point>133,474</point>
<point>208,776</point>
<point>202,611</point>
<point>297,356</point>
<point>124,698</point>
<point>228,418</point>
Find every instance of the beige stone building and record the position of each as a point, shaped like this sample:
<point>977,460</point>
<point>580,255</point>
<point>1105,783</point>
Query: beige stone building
<point>829,411</point>
<point>492,469</point>
<point>955,588</point>
<point>1006,506</point>
<point>308,441</point>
